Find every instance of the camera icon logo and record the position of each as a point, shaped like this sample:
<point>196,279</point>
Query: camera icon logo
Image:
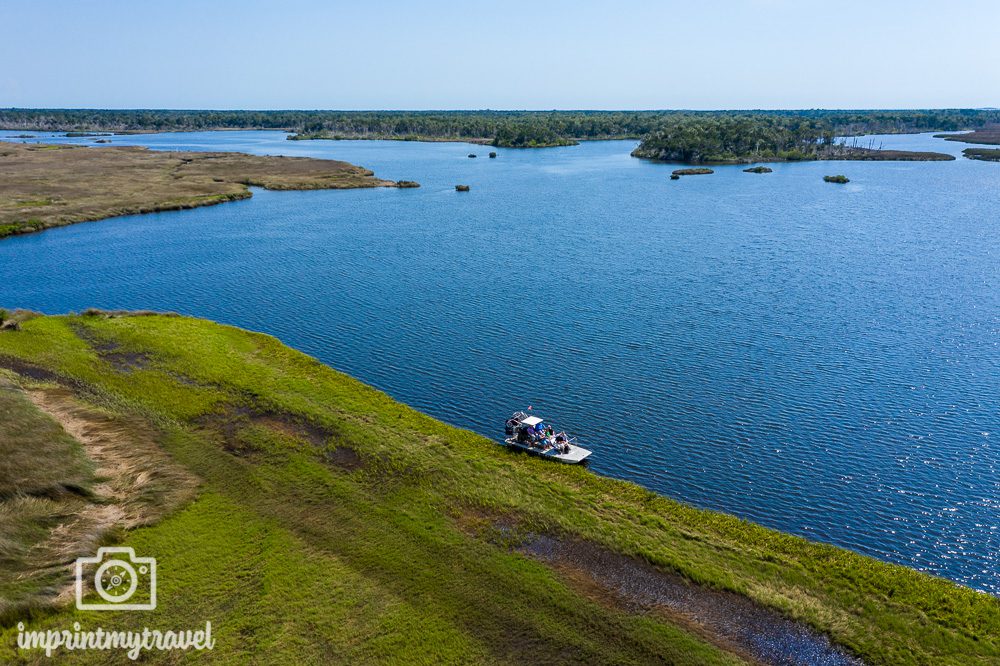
<point>116,574</point>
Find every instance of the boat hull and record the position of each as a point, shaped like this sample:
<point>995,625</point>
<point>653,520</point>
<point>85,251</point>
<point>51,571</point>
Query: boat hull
<point>575,456</point>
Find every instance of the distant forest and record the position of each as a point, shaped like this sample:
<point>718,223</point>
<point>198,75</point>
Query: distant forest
<point>797,135</point>
<point>688,136</point>
<point>501,128</point>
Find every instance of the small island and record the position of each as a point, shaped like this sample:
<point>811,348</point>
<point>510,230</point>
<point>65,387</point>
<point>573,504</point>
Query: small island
<point>758,169</point>
<point>697,171</point>
<point>836,179</point>
<point>54,185</point>
<point>462,188</point>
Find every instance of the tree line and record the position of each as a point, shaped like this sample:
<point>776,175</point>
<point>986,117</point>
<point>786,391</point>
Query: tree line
<point>695,135</point>
<point>792,135</point>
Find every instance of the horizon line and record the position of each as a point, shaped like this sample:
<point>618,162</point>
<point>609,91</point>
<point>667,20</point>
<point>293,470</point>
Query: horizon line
<point>498,110</point>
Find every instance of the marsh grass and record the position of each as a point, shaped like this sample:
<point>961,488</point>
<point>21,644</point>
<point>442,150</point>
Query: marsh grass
<point>53,185</point>
<point>296,559</point>
<point>986,154</point>
<point>986,135</point>
<point>72,477</point>
<point>44,478</point>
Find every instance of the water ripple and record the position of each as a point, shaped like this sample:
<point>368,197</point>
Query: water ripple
<point>821,360</point>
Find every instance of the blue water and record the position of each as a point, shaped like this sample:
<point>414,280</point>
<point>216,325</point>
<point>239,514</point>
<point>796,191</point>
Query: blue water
<point>819,358</point>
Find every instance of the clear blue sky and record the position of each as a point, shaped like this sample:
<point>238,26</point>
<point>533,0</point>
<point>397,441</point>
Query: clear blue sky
<point>505,55</point>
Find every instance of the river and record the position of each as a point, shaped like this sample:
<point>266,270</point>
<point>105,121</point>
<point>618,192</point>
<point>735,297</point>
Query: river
<point>822,359</point>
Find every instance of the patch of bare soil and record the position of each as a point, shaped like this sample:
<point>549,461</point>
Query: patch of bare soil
<point>28,370</point>
<point>733,622</point>
<point>122,360</point>
<point>138,481</point>
<point>230,422</point>
<point>345,458</point>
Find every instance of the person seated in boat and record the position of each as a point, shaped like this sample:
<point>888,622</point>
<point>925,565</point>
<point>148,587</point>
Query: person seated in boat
<point>531,436</point>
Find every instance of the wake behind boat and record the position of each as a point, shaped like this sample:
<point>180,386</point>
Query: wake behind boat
<point>529,433</point>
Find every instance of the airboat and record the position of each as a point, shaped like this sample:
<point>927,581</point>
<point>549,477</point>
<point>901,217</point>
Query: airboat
<point>529,433</point>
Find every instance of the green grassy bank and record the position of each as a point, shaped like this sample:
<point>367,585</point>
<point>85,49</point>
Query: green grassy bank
<point>331,524</point>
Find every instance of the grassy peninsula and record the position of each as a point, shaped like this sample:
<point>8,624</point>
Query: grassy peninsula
<point>986,135</point>
<point>313,519</point>
<point>985,154</point>
<point>989,136</point>
<point>53,185</point>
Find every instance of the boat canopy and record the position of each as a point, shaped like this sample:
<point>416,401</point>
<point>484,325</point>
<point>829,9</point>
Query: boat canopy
<point>531,421</point>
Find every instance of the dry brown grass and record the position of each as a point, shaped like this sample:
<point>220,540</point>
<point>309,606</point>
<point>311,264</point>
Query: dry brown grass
<point>45,186</point>
<point>132,471</point>
<point>75,476</point>
<point>985,135</point>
